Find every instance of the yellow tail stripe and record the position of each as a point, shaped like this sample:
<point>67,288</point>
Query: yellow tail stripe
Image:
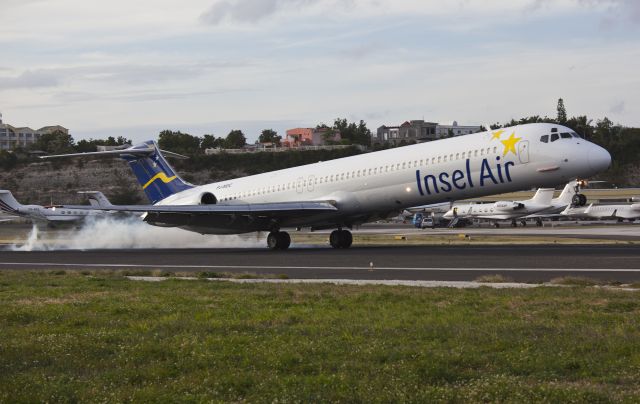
<point>160,176</point>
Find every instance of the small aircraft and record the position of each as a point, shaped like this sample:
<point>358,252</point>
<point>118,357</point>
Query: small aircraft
<point>629,212</point>
<point>54,215</point>
<point>342,193</point>
<point>503,210</point>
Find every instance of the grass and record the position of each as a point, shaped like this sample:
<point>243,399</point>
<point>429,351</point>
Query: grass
<point>74,337</point>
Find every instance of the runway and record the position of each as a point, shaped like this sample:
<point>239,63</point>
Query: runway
<point>446,263</point>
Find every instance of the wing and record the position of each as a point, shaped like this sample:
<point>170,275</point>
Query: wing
<point>277,208</point>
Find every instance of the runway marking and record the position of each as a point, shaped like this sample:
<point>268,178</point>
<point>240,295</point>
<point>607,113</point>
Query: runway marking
<point>270,267</point>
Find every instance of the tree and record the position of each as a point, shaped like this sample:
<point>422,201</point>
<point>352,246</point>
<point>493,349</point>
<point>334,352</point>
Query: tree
<point>211,142</point>
<point>235,140</point>
<point>179,142</point>
<point>270,136</point>
<point>56,142</point>
<point>562,112</point>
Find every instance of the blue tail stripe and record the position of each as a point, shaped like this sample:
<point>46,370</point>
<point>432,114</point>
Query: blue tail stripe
<point>155,175</point>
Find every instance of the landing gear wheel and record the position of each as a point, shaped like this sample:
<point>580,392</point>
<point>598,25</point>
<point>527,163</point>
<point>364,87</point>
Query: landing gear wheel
<point>539,222</point>
<point>278,240</point>
<point>523,223</point>
<point>340,239</point>
<point>496,225</point>
<point>583,199</point>
<point>579,200</point>
<point>514,224</point>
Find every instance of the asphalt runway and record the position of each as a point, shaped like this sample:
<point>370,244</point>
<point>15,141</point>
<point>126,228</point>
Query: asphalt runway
<point>445,263</point>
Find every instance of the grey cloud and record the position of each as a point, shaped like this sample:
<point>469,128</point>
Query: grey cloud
<point>128,74</point>
<point>250,11</point>
<point>29,79</point>
<point>618,108</point>
<point>614,10</point>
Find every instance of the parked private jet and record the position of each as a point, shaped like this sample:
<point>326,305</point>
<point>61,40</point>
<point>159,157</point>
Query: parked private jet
<point>353,190</point>
<point>629,212</point>
<point>502,210</point>
<point>54,215</point>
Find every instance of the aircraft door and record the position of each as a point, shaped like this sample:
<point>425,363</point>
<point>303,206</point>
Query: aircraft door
<point>523,151</point>
<point>312,179</point>
<point>300,185</point>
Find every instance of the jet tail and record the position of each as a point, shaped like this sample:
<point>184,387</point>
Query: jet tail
<point>96,198</point>
<point>8,203</point>
<point>566,196</point>
<point>146,160</point>
<point>543,196</point>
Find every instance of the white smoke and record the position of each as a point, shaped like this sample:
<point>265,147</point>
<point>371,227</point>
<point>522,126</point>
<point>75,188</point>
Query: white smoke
<point>112,233</point>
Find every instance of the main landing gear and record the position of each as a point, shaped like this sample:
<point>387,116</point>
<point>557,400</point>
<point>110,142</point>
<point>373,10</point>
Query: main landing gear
<point>340,239</point>
<point>278,240</point>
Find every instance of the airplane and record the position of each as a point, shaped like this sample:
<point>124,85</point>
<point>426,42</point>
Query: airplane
<point>621,212</point>
<point>53,215</point>
<point>342,193</point>
<point>502,210</point>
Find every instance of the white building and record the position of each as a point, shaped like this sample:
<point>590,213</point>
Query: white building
<point>12,137</point>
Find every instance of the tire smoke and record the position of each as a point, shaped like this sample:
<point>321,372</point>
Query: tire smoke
<point>131,233</point>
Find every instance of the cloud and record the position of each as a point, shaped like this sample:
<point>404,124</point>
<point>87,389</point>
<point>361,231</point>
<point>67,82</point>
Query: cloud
<point>617,108</point>
<point>250,11</point>
<point>29,79</point>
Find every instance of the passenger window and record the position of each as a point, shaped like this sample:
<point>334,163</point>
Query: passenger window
<point>457,156</point>
<point>445,159</point>
<point>422,162</point>
<point>554,137</point>
<point>482,152</point>
<point>544,138</point>
<point>565,135</point>
<point>439,157</point>
<point>342,177</point>
<point>495,150</point>
<point>451,157</point>
<point>475,153</point>
<point>404,165</point>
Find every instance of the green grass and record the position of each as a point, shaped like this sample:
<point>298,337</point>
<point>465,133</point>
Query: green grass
<point>73,337</point>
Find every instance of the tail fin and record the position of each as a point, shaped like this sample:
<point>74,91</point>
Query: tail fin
<point>566,195</point>
<point>155,175</point>
<point>96,198</point>
<point>543,196</point>
<point>8,203</point>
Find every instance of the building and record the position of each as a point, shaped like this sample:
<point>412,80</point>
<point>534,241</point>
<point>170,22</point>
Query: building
<point>407,133</point>
<point>310,137</point>
<point>445,130</point>
<point>418,131</point>
<point>12,137</point>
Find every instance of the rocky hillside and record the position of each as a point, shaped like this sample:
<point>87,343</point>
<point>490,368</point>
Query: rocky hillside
<point>58,182</point>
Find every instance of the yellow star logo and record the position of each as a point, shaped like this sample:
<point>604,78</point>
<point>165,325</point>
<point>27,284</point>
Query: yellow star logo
<point>510,144</point>
<point>497,134</point>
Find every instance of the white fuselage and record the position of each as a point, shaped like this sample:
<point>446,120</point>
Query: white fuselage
<point>56,215</point>
<point>605,211</point>
<point>369,186</point>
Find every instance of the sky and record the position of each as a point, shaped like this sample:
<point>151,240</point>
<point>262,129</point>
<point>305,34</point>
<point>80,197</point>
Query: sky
<point>123,68</point>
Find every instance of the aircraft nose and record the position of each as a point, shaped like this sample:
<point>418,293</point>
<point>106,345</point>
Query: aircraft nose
<point>599,159</point>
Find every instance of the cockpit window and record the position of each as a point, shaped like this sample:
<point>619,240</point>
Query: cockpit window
<point>565,135</point>
<point>553,130</point>
<point>544,138</point>
<point>574,134</point>
<point>554,137</point>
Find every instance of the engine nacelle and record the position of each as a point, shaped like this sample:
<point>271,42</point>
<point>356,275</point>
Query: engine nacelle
<point>207,198</point>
